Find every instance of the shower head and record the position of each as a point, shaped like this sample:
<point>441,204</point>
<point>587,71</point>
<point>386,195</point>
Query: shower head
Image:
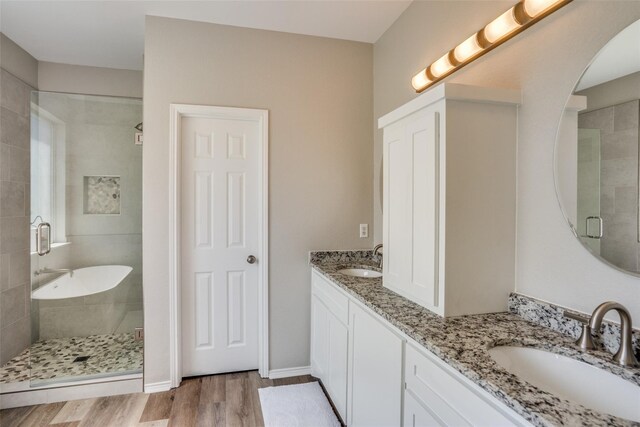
<point>139,126</point>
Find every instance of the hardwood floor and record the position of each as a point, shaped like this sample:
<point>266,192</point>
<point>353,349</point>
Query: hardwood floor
<point>218,400</point>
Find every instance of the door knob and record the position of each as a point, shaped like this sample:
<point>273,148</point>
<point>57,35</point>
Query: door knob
<point>251,259</point>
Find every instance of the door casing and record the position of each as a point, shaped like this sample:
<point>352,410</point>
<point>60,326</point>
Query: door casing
<point>177,113</point>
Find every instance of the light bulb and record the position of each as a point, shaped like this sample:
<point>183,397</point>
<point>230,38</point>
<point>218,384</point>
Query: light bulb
<point>468,48</point>
<point>441,66</point>
<point>500,27</point>
<point>420,80</point>
<point>534,8</point>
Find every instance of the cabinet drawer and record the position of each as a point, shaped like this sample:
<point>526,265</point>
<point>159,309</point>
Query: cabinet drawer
<point>446,397</point>
<point>333,299</point>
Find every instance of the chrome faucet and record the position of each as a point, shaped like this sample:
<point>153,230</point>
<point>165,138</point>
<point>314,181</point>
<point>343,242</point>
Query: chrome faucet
<point>376,251</point>
<point>591,326</point>
<point>53,270</point>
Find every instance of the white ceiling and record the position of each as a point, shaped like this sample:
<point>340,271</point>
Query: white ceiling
<point>620,57</point>
<point>111,33</point>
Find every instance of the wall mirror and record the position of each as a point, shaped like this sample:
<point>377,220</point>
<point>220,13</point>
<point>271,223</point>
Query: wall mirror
<point>596,157</point>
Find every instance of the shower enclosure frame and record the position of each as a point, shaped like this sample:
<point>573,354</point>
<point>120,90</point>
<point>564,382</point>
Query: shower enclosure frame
<point>22,393</point>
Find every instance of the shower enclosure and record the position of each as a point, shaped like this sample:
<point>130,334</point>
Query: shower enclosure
<point>588,224</point>
<point>607,183</point>
<point>86,262</point>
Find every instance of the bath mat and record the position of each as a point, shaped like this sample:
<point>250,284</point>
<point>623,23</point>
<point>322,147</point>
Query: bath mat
<point>298,405</point>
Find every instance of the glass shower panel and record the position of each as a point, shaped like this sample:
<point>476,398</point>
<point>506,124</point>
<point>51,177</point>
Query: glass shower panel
<point>589,220</point>
<point>86,181</point>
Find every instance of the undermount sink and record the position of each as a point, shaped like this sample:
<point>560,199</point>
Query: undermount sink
<point>360,272</point>
<point>572,380</point>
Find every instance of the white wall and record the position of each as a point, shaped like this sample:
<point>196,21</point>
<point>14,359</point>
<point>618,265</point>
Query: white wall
<point>319,95</point>
<point>546,62</point>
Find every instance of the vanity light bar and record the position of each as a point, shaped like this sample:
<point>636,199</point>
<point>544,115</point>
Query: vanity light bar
<point>512,22</point>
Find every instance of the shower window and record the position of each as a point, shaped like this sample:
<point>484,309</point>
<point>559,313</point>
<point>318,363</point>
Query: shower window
<point>47,173</point>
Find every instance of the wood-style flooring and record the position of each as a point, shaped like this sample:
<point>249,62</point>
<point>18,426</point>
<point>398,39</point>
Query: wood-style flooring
<point>218,400</point>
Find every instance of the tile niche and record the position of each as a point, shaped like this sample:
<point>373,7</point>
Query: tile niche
<point>102,195</point>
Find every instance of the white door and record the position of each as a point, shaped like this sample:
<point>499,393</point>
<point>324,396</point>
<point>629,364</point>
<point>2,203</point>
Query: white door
<point>220,233</point>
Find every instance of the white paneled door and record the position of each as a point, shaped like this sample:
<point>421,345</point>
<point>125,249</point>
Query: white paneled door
<point>221,214</point>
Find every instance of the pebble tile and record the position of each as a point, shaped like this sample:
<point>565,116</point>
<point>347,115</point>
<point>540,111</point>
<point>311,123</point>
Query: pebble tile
<point>53,360</point>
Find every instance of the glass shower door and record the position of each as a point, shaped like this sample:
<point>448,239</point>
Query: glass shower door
<point>47,193</point>
<point>589,220</point>
<point>86,181</point>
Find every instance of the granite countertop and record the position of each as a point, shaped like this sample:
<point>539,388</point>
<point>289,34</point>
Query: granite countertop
<point>463,343</point>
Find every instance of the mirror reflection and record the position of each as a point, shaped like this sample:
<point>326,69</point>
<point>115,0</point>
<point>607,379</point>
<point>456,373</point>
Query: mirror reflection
<point>597,154</point>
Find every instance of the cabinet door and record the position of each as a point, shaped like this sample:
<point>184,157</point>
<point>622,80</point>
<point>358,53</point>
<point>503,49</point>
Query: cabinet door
<point>397,207</point>
<point>319,339</point>
<point>336,377</point>
<point>416,415</point>
<point>375,370</point>
<point>329,346</point>
<point>411,185</point>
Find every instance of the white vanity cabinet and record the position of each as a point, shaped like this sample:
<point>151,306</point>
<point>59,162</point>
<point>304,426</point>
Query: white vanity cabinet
<point>329,340</point>
<point>449,198</point>
<point>375,370</point>
<point>357,356</point>
<point>376,375</point>
<point>437,395</point>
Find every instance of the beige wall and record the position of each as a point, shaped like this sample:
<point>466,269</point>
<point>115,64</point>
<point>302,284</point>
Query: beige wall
<point>546,62</point>
<point>17,76</point>
<point>319,95</point>
<point>18,62</point>
<point>613,92</point>
<point>55,77</point>
<point>68,78</point>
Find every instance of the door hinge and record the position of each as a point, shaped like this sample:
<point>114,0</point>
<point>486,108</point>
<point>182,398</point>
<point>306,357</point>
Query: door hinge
<point>138,334</point>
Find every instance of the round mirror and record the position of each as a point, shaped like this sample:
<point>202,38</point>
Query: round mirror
<point>597,154</point>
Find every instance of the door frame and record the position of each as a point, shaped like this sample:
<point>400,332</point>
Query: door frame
<point>177,113</point>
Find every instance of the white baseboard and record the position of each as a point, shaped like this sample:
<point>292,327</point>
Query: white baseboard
<point>273,374</point>
<point>289,372</point>
<point>157,387</point>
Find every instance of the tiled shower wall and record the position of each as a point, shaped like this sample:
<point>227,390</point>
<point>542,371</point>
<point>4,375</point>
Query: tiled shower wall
<point>618,127</point>
<point>15,320</point>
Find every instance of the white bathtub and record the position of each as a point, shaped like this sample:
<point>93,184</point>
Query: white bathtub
<point>85,281</point>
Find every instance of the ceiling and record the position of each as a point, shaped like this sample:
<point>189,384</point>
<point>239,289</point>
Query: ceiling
<point>111,33</point>
<point>620,57</point>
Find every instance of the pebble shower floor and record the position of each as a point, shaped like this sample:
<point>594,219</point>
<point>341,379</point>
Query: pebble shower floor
<point>54,360</point>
